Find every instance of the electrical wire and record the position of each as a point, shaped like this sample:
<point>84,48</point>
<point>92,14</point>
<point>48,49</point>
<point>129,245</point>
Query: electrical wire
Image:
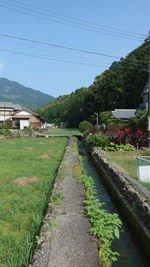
<point>46,57</point>
<point>82,24</point>
<point>58,46</point>
<point>78,19</point>
<point>49,58</point>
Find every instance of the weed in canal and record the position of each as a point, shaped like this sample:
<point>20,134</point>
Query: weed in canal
<point>106,226</point>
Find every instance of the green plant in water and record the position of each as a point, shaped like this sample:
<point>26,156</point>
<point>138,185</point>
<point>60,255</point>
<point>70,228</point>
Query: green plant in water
<point>106,226</point>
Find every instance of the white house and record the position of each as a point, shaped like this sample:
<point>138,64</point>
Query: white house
<point>24,118</point>
<point>7,109</point>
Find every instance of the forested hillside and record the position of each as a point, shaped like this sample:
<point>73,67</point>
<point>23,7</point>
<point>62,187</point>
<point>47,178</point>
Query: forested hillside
<point>118,87</point>
<point>11,91</point>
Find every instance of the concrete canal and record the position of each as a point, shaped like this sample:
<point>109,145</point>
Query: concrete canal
<point>130,252</point>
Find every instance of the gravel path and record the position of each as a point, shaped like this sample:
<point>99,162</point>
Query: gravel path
<point>68,243</point>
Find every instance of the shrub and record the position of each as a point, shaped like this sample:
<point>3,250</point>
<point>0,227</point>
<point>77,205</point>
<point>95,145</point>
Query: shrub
<point>140,121</point>
<point>96,140</point>
<point>84,126</point>
<point>5,132</point>
<point>104,116</point>
<point>113,147</point>
<point>137,138</point>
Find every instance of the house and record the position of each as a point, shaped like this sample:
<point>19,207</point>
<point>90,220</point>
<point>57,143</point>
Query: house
<point>123,114</point>
<point>24,118</point>
<point>6,110</point>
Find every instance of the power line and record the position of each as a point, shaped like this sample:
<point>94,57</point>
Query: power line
<point>46,57</point>
<point>58,46</point>
<point>71,55</point>
<point>82,24</point>
<point>49,58</point>
<point>82,20</point>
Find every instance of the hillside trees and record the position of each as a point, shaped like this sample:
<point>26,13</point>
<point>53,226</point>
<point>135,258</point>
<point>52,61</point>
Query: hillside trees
<point>118,87</point>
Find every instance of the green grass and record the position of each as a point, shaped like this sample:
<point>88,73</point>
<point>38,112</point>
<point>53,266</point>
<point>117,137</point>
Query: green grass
<point>127,160</point>
<point>62,132</point>
<point>22,207</point>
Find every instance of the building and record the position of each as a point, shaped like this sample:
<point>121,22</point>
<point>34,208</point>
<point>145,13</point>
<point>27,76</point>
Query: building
<point>25,118</point>
<point>7,109</point>
<point>123,114</point>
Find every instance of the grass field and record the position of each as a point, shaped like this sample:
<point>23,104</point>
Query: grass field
<point>63,132</point>
<point>127,160</point>
<point>28,167</point>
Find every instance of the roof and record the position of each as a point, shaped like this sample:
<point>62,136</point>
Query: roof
<point>25,109</point>
<point>16,115</point>
<point>123,113</point>
<point>10,105</point>
<point>6,105</point>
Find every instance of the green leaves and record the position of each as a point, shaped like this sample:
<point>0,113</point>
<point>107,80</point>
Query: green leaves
<point>105,225</point>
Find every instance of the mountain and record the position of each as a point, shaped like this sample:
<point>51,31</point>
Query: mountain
<point>120,86</point>
<point>11,91</point>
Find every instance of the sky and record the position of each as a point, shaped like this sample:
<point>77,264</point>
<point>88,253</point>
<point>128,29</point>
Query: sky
<point>110,27</point>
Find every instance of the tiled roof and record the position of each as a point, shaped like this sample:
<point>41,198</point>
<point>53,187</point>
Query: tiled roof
<point>10,105</point>
<point>123,113</point>
<point>6,105</point>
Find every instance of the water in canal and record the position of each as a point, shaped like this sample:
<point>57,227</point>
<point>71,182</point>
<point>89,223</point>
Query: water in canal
<point>130,254</point>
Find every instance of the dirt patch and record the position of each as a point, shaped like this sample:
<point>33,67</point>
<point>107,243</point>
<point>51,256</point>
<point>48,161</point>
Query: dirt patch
<point>44,156</point>
<point>28,147</point>
<point>25,180</point>
<point>40,143</point>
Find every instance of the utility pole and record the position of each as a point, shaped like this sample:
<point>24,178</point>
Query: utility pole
<point>96,119</point>
<point>149,89</point>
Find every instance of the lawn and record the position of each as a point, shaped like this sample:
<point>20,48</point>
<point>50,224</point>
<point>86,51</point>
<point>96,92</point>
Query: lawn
<point>28,167</point>
<point>63,132</point>
<point>127,160</point>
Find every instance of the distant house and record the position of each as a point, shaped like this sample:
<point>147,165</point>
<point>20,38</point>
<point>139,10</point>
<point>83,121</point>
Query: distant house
<point>7,109</point>
<point>123,114</point>
<point>25,118</point>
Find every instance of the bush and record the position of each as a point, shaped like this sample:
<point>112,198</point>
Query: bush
<point>104,116</point>
<point>114,147</point>
<point>140,121</point>
<point>96,140</point>
<point>5,132</point>
<point>84,126</point>
<point>137,138</point>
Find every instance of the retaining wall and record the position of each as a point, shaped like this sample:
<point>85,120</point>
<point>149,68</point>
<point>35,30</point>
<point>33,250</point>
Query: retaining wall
<point>132,198</point>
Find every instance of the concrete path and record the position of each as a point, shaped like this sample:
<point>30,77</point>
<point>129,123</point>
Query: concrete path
<point>68,243</point>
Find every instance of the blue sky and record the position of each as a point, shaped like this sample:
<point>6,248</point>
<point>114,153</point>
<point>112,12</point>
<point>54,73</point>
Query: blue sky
<point>59,78</point>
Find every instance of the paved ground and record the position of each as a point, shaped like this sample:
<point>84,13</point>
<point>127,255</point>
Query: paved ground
<point>69,243</point>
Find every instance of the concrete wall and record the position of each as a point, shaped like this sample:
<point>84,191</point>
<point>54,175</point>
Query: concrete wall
<point>131,198</point>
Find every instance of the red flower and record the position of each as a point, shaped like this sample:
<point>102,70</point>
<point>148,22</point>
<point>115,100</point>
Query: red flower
<point>118,131</point>
<point>140,131</point>
<point>127,130</point>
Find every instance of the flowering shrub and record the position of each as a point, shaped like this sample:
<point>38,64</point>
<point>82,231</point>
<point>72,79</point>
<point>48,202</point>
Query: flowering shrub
<point>126,137</point>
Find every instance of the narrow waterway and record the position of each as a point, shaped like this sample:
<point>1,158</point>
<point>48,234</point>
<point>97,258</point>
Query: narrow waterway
<point>130,253</point>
